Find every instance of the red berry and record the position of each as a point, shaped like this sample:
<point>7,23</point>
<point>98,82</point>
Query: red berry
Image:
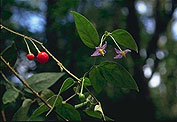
<point>30,56</point>
<point>42,57</point>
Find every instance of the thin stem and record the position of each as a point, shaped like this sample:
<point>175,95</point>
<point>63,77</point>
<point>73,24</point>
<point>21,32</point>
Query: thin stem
<point>102,39</point>
<point>34,45</point>
<point>29,87</point>
<point>81,104</point>
<point>3,115</point>
<point>11,85</point>
<point>82,85</point>
<point>115,42</point>
<point>69,98</point>
<point>27,46</point>
<point>3,27</point>
<point>55,59</point>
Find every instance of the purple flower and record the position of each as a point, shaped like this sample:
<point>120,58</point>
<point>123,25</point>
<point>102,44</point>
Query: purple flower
<point>120,54</point>
<point>100,50</point>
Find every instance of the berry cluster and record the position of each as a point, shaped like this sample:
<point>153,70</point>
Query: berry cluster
<point>42,57</point>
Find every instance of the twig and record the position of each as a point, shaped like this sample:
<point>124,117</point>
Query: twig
<point>3,115</point>
<point>29,87</point>
<point>69,98</point>
<point>55,59</point>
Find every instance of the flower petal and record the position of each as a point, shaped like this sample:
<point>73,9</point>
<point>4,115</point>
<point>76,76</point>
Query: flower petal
<point>126,51</point>
<point>98,48</point>
<point>104,46</point>
<point>117,51</point>
<point>118,56</point>
<point>96,53</point>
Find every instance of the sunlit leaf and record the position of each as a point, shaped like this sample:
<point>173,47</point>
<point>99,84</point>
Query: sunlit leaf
<point>125,39</point>
<point>69,82</point>
<point>86,30</point>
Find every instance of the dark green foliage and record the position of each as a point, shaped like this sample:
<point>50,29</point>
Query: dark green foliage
<point>86,30</point>
<point>68,111</point>
<point>43,81</point>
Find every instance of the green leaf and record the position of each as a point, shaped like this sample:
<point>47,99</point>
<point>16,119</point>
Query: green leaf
<point>97,115</point>
<point>125,39</point>
<point>86,30</point>
<point>86,82</point>
<point>45,94</point>
<point>68,111</point>
<point>117,75</point>
<point>97,80</point>
<point>41,81</point>
<point>10,95</point>
<point>9,54</point>
<point>43,108</point>
<point>69,82</point>
<point>21,114</point>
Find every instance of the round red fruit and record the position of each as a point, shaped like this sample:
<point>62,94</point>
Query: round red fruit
<point>30,56</point>
<point>42,57</point>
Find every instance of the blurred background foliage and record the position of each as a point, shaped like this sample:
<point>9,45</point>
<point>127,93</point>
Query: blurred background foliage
<point>152,23</point>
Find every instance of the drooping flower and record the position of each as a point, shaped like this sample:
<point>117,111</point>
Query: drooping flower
<point>100,50</point>
<point>121,54</point>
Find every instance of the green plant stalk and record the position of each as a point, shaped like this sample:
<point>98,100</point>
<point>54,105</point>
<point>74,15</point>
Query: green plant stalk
<point>102,39</point>
<point>27,46</point>
<point>115,42</point>
<point>35,46</point>
<point>82,85</point>
<point>81,104</point>
<point>29,87</point>
<point>68,99</point>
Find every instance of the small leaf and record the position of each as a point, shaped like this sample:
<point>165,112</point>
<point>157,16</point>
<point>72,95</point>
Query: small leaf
<point>86,82</point>
<point>43,108</point>
<point>41,81</point>
<point>9,54</point>
<point>96,115</point>
<point>10,95</point>
<point>21,114</point>
<point>125,39</point>
<point>69,82</point>
<point>68,111</point>
<point>97,80</point>
<point>117,75</point>
<point>86,30</point>
<point>45,94</point>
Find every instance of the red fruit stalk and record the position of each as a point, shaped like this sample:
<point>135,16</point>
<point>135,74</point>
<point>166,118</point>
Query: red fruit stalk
<point>42,57</point>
